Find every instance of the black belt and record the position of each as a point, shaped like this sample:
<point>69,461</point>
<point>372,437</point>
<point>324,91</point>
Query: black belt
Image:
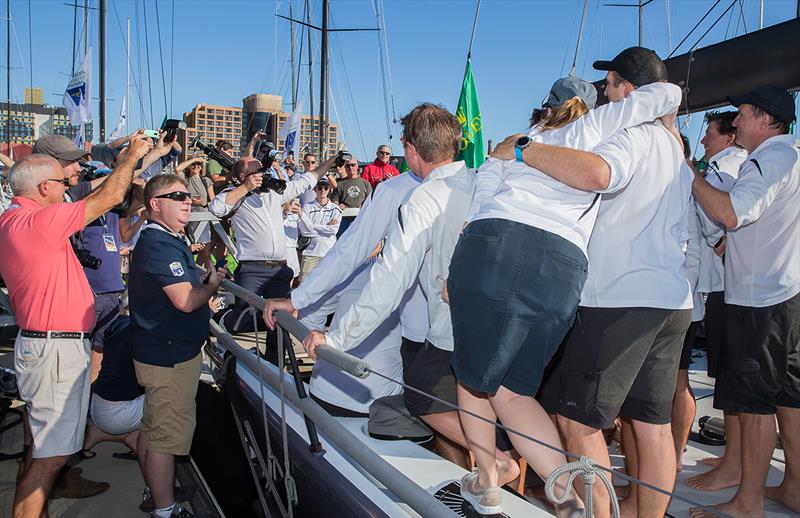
<point>270,264</point>
<point>71,335</point>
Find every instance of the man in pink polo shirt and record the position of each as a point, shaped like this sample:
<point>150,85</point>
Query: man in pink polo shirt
<point>54,308</point>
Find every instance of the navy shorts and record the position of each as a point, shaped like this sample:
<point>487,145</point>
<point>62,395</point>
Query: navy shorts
<point>514,290</point>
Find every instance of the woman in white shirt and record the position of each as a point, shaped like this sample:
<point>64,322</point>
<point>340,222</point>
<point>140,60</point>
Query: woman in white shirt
<point>517,272</point>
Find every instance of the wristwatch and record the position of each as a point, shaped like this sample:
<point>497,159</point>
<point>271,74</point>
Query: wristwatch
<point>521,144</point>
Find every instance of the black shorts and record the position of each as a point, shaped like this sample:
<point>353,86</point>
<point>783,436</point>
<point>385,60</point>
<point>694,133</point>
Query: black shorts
<point>621,361</point>
<point>715,330</point>
<point>427,368</point>
<point>688,346</point>
<point>514,290</point>
<point>761,366</point>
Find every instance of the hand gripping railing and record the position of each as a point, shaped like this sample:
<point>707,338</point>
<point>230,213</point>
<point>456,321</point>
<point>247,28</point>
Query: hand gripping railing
<point>408,491</point>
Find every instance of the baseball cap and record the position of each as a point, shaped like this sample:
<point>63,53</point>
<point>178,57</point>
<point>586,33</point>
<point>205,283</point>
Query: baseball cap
<point>323,181</point>
<point>638,65</point>
<point>58,146</point>
<point>568,87</point>
<point>772,99</point>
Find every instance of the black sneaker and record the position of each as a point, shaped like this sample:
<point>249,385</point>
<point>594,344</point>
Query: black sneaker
<point>182,494</point>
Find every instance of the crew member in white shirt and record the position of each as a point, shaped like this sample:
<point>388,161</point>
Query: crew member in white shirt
<point>418,249</point>
<point>257,221</point>
<point>517,272</point>
<point>621,357</point>
<point>760,376</point>
<point>319,221</point>
<point>723,159</point>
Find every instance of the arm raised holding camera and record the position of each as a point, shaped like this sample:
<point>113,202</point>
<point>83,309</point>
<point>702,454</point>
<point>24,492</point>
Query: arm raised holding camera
<point>310,178</point>
<point>113,190</point>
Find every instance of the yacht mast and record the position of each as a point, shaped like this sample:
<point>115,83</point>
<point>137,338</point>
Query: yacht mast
<point>323,82</point>
<point>291,32</point>
<point>8,75</point>
<point>102,71</point>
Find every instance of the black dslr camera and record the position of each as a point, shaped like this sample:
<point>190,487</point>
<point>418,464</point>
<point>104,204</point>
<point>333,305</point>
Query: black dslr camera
<point>268,183</point>
<point>224,160</point>
<point>86,259</point>
<point>171,127</point>
<point>90,172</point>
<point>342,158</point>
<point>269,155</point>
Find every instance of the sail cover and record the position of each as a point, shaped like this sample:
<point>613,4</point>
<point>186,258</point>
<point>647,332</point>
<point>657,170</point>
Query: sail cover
<point>735,66</point>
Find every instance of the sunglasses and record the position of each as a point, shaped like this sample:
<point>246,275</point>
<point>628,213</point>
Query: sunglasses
<point>62,181</point>
<point>177,195</point>
<point>323,188</point>
<point>351,165</point>
<point>384,153</point>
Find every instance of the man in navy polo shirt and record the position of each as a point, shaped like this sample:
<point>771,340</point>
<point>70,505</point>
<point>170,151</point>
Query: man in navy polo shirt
<point>170,314</point>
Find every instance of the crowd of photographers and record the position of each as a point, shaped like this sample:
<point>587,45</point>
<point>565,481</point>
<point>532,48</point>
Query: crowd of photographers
<point>126,309</point>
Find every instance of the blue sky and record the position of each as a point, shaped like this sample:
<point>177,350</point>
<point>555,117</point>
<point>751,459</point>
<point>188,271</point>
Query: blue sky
<point>225,50</point>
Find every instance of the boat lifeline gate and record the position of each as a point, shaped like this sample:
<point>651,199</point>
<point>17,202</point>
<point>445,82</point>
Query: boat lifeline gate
<point>581,465</point>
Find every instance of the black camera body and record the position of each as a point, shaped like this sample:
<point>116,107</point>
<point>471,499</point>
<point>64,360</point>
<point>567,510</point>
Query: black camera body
<point>268,183</point>
<point>171,127</point>
<point>269,155</point>
<point>224,160</point>
<point>342,157</point>
<point>86,259</point>
<point>90,172</point>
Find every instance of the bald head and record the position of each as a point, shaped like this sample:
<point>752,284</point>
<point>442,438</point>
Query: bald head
<point>32,170</point>
<point>245,167</point>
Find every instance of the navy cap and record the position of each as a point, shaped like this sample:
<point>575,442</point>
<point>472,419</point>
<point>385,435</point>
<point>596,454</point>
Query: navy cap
<point>638,65</point>
<point>774,100</point>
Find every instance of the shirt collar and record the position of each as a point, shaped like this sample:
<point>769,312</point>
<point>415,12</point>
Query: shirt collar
<point>785,140</point>
<point>730,150</point>
<point>159,226</point>
<point>24,202</point>
<point>446,170</point>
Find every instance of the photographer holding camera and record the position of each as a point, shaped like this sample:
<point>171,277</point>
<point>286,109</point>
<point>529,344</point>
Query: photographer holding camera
<point>54,307</point>
<point>254,209</point>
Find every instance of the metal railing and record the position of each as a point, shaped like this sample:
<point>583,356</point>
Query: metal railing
<point>398,483</point>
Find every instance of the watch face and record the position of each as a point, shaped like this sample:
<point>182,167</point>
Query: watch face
<point>523,142</point>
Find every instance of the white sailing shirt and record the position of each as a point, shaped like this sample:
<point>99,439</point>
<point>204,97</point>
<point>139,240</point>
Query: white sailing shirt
<point>419,246</point>
<point>636,253</point>
<point>258,221</point>
<point>320,223</point>
<point>355,246</point>
<point>514,191</point>
<point>763,251</point>
<point>723,169</point>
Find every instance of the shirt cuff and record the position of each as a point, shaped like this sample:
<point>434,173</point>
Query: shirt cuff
<point>333,339</point>
<point>298,300</point>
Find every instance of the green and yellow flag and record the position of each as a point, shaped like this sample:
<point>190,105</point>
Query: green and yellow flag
<point>468,114</point>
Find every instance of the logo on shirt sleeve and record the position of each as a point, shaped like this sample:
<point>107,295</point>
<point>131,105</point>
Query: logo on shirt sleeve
<point>176,268</point>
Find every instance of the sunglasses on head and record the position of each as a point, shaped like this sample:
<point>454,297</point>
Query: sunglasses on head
<point>176,195</point>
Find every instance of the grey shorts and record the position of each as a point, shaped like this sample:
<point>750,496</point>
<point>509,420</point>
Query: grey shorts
<point>620,361</point>
<point>514,290</point>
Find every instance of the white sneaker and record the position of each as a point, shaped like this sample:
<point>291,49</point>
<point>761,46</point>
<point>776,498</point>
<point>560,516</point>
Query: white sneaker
<point>485,501</point>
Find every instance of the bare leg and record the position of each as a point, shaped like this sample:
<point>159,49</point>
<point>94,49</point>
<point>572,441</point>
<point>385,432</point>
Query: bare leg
<point>788,493</point>
<point>584,440</point>
<point>630,505</point>
<point>141,451</point>
<point>131,440</point>
<point>30,498</point>
<point>449,425</point>
<point>683,410</point>
<point>451,451</point>
<point>756,454</point>
<point>95,435</point>
<point>728,471</point>
<point>480,434</point>
<point>656,466</point>
<point>525,414</point>
<point>160,477</point>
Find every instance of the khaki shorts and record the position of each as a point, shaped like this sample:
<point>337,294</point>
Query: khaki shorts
<point>169,404</point>
<point>309,263</point>
<point>54,380</point>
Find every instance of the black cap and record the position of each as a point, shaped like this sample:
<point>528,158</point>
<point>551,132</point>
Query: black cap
<point>772,99</point>
<point>638,65</point>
